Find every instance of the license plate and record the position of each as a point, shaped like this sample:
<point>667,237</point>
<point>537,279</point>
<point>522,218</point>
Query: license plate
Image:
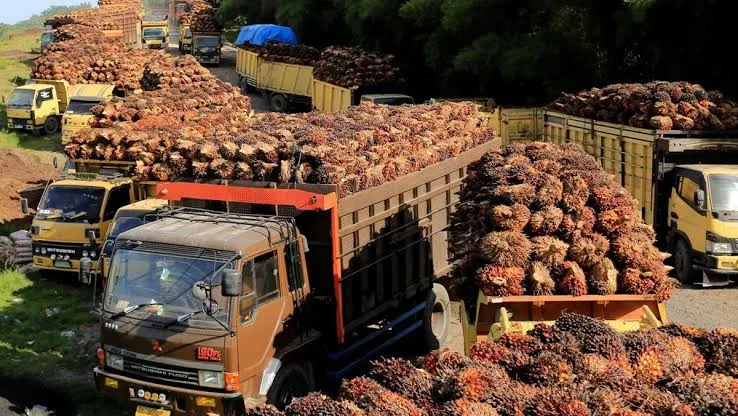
<point>63,264</point>
<point>19,126</point>
<point>148,411</point>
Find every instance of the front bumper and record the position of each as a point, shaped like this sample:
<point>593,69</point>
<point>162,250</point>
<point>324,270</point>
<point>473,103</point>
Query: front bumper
<point>208,59</point>
<point>20,124</point>
<point>719,265</point>
<point>45,263</point>
<point>178,400</point>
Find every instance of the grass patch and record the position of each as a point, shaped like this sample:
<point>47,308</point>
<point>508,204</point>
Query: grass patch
<point>33,350</point>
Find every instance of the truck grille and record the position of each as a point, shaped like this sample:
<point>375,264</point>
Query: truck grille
<point>160,371</point>
<point>74,251</point>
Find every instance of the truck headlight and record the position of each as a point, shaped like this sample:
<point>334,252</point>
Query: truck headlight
<point>43,250</point>
<point>85,253</point>
<point>93,254</point>
<point>114,361</point>
<point>716,244</point>
<point>208,378</point>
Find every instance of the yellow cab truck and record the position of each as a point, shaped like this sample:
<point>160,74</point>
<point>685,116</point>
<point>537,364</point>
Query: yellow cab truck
<point>78,115</point>
<point>244,292</point>
<point>155,34</point>
<point>207,47</point>
<point>81,204</point>
<point>38,105</point>
<point>685,181</point>
<point>330,98</point>
<point>185,38</point>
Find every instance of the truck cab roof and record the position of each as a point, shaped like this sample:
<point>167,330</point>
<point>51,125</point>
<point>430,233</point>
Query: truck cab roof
<point>92,92</point>
<point>381,97</point>
<point>212,230</point>
<point>711,169</point>
<point>92,182</point>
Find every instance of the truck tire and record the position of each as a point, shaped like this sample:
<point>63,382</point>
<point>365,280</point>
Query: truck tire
<point>279,103</point>
<point>244,85</point>
<point>51,125</point>
<point>683,262</point>
<point>436,317</point>
<point>292,380</point>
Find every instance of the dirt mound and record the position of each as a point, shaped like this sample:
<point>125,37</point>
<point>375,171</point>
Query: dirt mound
<point>20,169</point>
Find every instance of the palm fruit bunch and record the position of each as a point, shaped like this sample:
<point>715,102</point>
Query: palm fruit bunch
<point>540,219</point>
<point>657,105</point>
<point>577,366</point>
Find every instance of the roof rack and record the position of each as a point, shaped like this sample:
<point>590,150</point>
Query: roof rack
<point>247,220</point>
<point>92,176</point>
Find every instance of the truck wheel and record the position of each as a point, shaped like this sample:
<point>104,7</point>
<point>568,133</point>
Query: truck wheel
<point>292,380</point>
<point>279,103</point>
<point>436,317</point>
<point>683,262</point>
<point>244,85</point>
<point>52,125</point>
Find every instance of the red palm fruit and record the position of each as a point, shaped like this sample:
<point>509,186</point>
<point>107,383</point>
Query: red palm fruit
<point>523,193</point>
<point>542,151</point>
<point>546,221</point>
<point>657,402</point>
<point>647,367</point>
<point>580,222</point>
<point>525,344</point>
<point>486,351</point>
<point>400,376</point>
<point>509,218</point>
<point>444,362</point>
<point>590,250</point>
<point>547,368</point>
<point>464,407</point>
<point>550,167</point>
<point>611,222</point>
<point>603,278</point>
<point>573,281</point>
<point>679,357</point>
<point>372,398</point>
<point>635,282</point>
<point>318,404</point>
<point>513,149</point>
<point>720,348</point>
<point>501,281</point>
<point>543,333</point>
<point>539,280</point>
<point>635,251</point>
<point>506,248</point>
<point>549,191</point>
<point>556,402</point>
<point>576,192</point>
<point>511,398</point>
<point>266,410</point>
<point>550,251</point>
<point>474,382</point>
<point>612,196</point>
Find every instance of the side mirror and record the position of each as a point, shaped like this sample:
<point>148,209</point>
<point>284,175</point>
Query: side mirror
<point>107,248</point>
<point>91,238</point>
<point>699,199</point>
<point>24,206</point>
<point>85,270</point>
<point>200,290</point>
<point>232,283</point>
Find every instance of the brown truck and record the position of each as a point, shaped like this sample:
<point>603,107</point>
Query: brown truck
<point>266,291</point>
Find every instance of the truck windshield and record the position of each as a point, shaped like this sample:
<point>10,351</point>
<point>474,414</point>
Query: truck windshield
<point>394,100</point>
<point>724,192</point>
<point>207,42</point>
<point>153,33</point>
<point>120,225</point>
<point>142,277</point>
<point>80,106</point>
<point>188,33</point>
<point>71,204</point>
<point>21,98</point>
<point>47,38</point>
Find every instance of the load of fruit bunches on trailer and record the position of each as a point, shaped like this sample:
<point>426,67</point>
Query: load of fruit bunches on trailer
<point>108,17</point>
<point>355,68</point>
<point>286,53</point>
<point>658,105</point>
<point>541,219</point>
<point>201,17</point>
<point>578,367</point>
<point>360,148</point>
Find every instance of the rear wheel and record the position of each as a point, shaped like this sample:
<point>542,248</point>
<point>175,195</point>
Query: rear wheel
<point>683,262</point>
<point>279,103</point>
<point>436,317</point>
<point>52,125</point>
<point>292,380</point>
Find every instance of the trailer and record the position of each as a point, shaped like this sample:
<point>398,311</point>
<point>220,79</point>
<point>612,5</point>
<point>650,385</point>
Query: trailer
<point>671,173</point>
<point>354,275</point>
<point>332,98</point>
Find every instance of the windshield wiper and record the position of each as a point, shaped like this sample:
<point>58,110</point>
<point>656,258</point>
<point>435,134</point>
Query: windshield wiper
<point>132,308</point>
<point>181,318</point>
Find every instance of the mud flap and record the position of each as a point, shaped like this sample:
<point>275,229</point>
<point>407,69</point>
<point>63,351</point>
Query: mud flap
<point>714,279</point>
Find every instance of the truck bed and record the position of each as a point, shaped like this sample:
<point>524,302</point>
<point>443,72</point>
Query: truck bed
<point>369,253</point>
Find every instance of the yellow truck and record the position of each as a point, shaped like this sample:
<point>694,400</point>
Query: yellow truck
<point>206,47</point>
<point>331,98</point>
<point>185,38</point>
<point>78,115</point>
<point>38,106</point>
<point>155,34</point>
<point>685,181</point>
<point>76,211</point>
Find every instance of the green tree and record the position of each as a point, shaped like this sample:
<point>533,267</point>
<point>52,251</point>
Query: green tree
<point>37,20</point>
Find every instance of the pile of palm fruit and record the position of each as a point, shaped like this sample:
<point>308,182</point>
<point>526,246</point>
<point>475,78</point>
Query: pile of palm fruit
<point>578,367</point>
<point>541,219</point>
<point>360,148</point>
<point>658,105</point>
<point>289,54</point>
<point>355,68</point>
<point>201,17</point>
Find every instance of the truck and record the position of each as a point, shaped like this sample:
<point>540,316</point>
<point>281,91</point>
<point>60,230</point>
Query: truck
<point>82,203</point>
<point>155,34</point>
<point>77,116</point>
<point>47,37</point>
<point>185,38</point>
<point>38,105</point>
<point>206,47</point>
<point>244,292</point>
<point>332,98</point>
<point>685,181</point>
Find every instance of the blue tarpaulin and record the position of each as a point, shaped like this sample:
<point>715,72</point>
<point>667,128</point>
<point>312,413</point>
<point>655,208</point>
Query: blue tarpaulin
<point>260,34</point>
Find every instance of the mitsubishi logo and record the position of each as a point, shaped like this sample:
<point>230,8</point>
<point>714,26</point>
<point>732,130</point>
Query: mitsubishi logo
<point>155,346</point>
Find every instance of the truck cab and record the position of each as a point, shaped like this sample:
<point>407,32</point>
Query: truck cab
<point>388,99</point>
<point>155,34</point>
<point>47,37</point>
<point>37,106</point>
<point>206,47</point>
<point>185,38</point>
<point>703,219</point>
<point>127,218</point>
<point>78,114</point>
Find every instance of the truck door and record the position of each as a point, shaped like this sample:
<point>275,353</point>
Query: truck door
<point>45,105</point>
<point>262,314</point>
<point>117,198</point>
<point>684,217</point>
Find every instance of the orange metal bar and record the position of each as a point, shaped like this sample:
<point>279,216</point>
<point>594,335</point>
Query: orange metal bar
<point>336,254</point>
<point>302,200</point>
